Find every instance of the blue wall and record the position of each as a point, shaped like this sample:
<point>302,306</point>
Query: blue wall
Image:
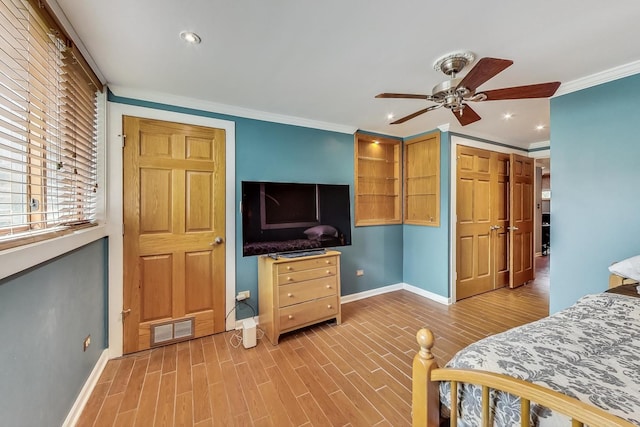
<point>46,313</point>
<point>426,249</point>
<point>595,154</point>
<point>267,151</point>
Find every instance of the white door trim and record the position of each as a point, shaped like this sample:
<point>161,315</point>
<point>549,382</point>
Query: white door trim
<point>115,206</point>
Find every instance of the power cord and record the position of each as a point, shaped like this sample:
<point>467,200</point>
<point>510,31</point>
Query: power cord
<point>253,310</point>
<point>236,339</point>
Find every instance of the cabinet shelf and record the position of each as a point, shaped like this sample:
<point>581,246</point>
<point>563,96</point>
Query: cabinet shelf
<point>373,178</point>
<point>376,159</point>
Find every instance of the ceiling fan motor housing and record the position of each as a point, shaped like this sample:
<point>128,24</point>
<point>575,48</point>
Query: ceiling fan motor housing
<point>450,95</point>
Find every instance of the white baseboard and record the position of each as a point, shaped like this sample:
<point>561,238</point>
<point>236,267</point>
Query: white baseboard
<point>87,389</point>
<point>383,290</point>
<point>423,293</point>
<point>366,294</point>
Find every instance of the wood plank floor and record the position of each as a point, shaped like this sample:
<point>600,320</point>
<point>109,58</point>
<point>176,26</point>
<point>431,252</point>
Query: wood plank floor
<point>354,374</point>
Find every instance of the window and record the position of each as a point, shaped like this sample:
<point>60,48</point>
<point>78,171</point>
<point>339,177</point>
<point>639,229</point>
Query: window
<point>48,118</point>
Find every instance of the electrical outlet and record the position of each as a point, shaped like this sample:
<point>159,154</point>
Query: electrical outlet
<point>242,295</point>
<point>86,343</point>
<point>359,272</point>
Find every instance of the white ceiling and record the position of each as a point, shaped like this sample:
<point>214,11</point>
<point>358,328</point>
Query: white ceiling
<point>326,60</point>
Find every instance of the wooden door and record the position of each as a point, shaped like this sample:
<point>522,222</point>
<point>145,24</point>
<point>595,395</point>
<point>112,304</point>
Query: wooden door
<point>500,218</point>
<point>174,223</point>
<point>521,268</point>
<point>474,222</point>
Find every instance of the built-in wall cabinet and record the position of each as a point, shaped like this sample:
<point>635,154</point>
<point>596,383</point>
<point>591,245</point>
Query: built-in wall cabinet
<point>391,190</point>
<point>422,180</point>
<point>377,180</point>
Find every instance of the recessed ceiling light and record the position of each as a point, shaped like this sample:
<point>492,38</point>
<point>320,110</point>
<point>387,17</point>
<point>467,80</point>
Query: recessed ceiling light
<point>375,141</point>
<point>507,116</point>
<point>390,116</point>
<point>190,37</point>
<point>539,127</point>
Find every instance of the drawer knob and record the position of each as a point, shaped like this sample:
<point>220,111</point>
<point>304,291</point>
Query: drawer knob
<point>328,272</point>
<point>289,279</point>
<point>329,306</point>
<point>290,295</point>
<point>328,286</point>
<point>328,262</point>
<point>290,316</point>
<point>288,267</point>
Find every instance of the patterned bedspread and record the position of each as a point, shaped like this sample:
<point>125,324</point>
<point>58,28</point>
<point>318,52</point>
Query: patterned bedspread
<point>590,351</point>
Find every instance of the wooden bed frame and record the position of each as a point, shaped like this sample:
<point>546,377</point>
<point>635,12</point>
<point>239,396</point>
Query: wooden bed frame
<point>426,394</point>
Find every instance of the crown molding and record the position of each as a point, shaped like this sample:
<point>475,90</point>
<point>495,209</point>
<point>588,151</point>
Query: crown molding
<point>444,127</point>
<point>540,150</point>
<point>214,107</point>
<point>606,76</point>
<point>541,145</point>
<point>540,154</point>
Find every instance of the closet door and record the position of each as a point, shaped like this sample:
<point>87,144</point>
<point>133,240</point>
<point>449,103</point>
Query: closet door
<point>494,228</point>
<point>474,226</point>
<point>521,268</point>
<point>500,218</point>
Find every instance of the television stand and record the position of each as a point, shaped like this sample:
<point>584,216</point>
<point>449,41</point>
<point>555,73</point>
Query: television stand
<point>298,292</point>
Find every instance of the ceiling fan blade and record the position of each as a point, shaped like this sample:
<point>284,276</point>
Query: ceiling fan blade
<point>401,95</point>
<point>542,90</point>
<point>416,114</point>
<point>468,115</point>
<point>485,69</point>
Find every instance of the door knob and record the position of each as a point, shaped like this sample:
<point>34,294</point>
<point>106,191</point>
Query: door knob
<point>514,228</point>
<point>218,240</point>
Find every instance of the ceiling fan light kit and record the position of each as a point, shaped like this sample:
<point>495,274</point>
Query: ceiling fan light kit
<point>455,93</point>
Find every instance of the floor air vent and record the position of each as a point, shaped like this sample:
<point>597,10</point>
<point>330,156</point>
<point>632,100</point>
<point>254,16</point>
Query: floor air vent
<point>169,332</point>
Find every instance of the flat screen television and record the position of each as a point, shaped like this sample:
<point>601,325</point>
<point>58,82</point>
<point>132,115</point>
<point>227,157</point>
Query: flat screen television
<point>286,217</point>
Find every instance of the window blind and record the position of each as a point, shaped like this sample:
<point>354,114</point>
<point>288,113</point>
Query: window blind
<point>48,127</point>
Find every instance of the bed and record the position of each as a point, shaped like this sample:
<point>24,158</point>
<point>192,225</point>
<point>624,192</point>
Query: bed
<point>580,366</point>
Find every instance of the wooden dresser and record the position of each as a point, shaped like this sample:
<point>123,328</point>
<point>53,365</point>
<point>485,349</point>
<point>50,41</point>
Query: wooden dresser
<point>298,292</point>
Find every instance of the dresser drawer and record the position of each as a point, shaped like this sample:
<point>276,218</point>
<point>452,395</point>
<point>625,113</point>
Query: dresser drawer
<point>303,275</point>
<point>309,290</point>
<point>306,312</point>
<point>307,264</point>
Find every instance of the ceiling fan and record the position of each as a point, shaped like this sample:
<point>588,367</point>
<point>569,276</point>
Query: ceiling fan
<point>456,92</point>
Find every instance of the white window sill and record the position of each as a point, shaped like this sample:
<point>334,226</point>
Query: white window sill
<point>18,259</point>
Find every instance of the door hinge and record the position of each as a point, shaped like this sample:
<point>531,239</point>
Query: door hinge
<point>125,313</point>
<point>124,139</point>
<point>123,228</point>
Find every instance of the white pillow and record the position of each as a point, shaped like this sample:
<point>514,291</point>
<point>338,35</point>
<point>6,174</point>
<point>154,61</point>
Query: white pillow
<point>629,268</point>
